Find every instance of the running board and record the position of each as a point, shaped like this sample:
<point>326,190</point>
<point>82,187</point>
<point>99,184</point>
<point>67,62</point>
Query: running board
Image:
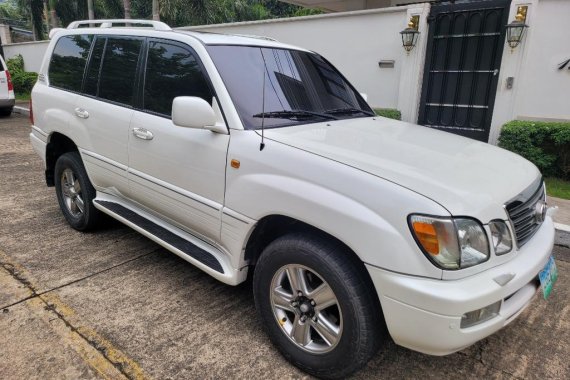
<point>160,235</point>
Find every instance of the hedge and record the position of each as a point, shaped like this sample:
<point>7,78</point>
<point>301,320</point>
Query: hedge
<point>23,80</point>
<point>546,144</point>
<point>390,113</point>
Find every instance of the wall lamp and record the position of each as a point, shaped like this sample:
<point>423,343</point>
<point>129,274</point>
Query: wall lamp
<point>515,30</point>
<point>410,34</point>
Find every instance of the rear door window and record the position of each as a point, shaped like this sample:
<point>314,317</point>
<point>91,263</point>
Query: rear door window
<point>119,68</point>
<point>68,61</point>
<point>172,71</point>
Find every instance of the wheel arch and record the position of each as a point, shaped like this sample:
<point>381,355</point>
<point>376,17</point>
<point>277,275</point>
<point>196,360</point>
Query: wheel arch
<point>58,144</point>
<point>272,227</point>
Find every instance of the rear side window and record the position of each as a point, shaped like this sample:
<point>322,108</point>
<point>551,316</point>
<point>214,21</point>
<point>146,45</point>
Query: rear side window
<point>68,61</point>
<point>118,72</point>
<point>172,71</point>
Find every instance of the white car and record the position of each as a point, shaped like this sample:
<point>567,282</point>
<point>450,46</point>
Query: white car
<point>7,98</point>
<point>246,156</point>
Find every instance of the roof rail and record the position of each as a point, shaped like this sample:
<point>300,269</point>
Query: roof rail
<point>253,36</point>
<point>156,25</point>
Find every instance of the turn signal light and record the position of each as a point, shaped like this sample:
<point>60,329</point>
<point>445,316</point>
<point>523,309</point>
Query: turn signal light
<point>427,236</point>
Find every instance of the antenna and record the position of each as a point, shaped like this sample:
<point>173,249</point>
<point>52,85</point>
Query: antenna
<point>262,145</point>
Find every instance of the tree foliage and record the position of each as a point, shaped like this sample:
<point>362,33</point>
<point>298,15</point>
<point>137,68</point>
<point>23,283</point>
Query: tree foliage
<point>173,12</point>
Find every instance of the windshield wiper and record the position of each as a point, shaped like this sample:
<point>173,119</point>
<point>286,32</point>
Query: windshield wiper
<point>294,114</point>
<point>348,111</point>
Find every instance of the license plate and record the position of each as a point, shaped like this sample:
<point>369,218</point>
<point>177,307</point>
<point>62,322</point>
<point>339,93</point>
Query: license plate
<point>548,277</point>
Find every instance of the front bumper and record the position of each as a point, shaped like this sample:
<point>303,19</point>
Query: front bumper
<point>425,314</point>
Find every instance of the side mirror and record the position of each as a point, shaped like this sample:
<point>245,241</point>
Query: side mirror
<point>364,96</point>
<point>194,112</point>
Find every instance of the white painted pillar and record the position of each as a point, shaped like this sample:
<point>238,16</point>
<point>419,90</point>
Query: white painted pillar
<point>412,71</point>
<point>5,36</point>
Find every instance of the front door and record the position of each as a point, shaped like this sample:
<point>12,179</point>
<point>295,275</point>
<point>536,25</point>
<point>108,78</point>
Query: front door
<point>463,59</point>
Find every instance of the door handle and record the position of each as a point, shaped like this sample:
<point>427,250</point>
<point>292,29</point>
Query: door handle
<point>142,133</point>
<point>81,113</point>
<point>495,72</point>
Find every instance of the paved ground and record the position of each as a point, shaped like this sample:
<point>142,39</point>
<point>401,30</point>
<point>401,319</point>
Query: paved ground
<point>113,305</point>
<point>563,213</point>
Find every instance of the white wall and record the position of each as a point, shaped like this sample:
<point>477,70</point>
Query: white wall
<point>544,89</point>
<point>540,90</point>
<point>32,52</point>
<point>353,41</point>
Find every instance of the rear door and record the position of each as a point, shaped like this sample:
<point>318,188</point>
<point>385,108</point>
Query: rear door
<point>177,172</point>
<point>105,107</point>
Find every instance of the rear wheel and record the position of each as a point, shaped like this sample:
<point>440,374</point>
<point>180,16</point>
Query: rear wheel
<point>317,305</point>
<point>75,193</point>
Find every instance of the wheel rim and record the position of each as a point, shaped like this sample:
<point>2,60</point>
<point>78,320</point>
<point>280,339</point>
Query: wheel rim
<point>306,308</point>
<point>71,192</point>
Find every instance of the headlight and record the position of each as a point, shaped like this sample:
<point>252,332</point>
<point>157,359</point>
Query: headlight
<point>501,237</point>
<point>451,243</point>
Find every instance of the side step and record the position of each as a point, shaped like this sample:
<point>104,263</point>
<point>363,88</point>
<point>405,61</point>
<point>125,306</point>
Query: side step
<point>162,234</point>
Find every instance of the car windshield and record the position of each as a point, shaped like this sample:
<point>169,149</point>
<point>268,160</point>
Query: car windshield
<point>299,87</point>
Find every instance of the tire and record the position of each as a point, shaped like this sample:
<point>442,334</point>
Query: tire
<point>5,112</point>
<point>355,323</point>
<point>75,193</point>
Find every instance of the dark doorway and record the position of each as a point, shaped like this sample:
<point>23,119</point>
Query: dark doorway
<point>463,59</point>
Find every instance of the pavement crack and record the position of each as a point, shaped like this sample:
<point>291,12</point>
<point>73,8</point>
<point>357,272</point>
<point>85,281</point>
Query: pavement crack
<point>99,272</point>
<point>93,343</point>
<point>15,273</point>
<point>60,311</point>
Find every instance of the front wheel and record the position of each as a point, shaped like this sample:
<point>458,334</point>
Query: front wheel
<point>317,305</point>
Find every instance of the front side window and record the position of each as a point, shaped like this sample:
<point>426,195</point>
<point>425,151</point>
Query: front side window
<point>68,61</point>
<point>172,71</point>
<point>282,87</point>
<point>119,68</point>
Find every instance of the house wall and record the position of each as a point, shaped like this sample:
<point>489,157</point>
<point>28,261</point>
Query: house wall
<point>540,91</point>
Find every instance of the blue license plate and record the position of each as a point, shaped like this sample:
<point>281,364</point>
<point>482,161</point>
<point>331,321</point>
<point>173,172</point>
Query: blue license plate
<point>548,277</point>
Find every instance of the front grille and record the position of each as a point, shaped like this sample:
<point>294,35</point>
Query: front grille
<point>522,212</point>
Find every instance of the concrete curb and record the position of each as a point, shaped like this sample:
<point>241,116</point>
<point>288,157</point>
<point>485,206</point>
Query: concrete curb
<point>562,227</point>
<point>22,110</point>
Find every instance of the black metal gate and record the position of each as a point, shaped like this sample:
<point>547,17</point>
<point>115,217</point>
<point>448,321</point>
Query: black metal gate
<point>464,49</point>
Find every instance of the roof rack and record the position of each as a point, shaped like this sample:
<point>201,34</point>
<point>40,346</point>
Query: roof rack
<point>156,25</point>
<point>253,36</point>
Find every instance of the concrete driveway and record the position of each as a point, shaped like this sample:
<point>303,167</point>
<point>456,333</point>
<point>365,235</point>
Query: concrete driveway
<point>113,304</point>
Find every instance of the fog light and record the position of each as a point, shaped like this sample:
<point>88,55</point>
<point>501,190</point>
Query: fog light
<point>481,315</point>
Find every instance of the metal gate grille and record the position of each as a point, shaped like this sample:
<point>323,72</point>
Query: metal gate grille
<point>465,45</point>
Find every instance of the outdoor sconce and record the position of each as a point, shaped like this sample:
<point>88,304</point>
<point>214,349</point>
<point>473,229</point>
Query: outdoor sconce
<point>410,34</point>
<point>515,29</point>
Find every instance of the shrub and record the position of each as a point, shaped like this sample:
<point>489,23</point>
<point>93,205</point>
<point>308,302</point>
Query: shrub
<point>390,113</point>
<point>546,144</point>
<point>23,80</point>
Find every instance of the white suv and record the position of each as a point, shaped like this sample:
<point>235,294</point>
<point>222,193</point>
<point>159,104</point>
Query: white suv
<point>243,155</point>
<point>7,98</point>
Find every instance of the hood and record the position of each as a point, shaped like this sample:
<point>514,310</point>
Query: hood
<point>467,177</point>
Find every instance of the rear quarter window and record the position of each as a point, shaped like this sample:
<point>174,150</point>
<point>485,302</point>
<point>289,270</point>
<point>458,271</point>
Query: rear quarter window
<point>68,61</point>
